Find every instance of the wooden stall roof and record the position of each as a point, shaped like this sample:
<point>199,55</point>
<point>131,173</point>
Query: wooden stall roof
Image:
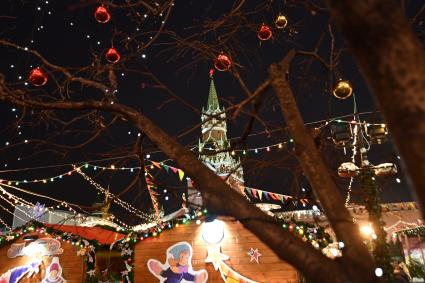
<point>103,236</point>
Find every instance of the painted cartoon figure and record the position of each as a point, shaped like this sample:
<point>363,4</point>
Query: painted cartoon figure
<point>178,267</point>
<point>54,272</point>
<point>17,273</point>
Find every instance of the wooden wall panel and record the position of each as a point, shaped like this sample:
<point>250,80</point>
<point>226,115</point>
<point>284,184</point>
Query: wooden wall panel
<point>72,265</point>
<point>236,243</point>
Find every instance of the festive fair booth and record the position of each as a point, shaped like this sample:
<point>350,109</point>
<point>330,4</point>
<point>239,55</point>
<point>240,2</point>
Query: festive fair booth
<point>221,250</point>
<point>38,252</point>
<point>32,256</point>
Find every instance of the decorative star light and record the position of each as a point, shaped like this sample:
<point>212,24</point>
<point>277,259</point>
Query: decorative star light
<point>126,252</point>
<point>254,254</point>
<point>215,256</point>
<point>91,272</point>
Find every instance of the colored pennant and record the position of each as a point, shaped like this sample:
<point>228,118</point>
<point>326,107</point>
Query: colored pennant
<point>156,164</point>
<point>174,169</point>
<point>248,190</point>
<point>181,174</point>
<point>282,198</point>
<point>166,168</point>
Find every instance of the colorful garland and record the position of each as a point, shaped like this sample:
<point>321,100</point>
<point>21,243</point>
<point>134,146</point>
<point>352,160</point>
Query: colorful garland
<point>317,236</point>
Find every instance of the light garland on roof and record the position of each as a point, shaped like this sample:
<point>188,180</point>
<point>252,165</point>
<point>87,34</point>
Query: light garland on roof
<point>420,230</point>
<point>114,198</point>
<point>403,223</point>
<point>5,224</point>
<point>154,200</point>
<point>14,200</point>
<point>18,201</point>
<point>11,213</point>
<point>68,206</point>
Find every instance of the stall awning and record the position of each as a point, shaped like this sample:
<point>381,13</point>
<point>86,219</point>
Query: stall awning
<point>103,236</point>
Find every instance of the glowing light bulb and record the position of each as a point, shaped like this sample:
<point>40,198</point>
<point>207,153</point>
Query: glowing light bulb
<point>213,232</point>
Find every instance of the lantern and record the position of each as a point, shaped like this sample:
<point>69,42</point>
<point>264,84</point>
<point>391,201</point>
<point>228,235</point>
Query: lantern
<point>281,22</point>
<point>112,55</point>
<point>222,62</point>
<point>265,32</point>
<point>38,77</point>
<point>348,170</point>
<point>377,133</point>
<point>342,89</point>
<point>102,15</point>
<point>342,134</point>
<point>385,169</point>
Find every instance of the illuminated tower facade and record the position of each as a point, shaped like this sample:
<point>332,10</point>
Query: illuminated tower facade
<point>214,145</point>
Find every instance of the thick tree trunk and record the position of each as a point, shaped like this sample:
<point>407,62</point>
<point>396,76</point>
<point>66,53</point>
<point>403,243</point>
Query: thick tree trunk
<point>356,257</point>
<point>393,62</point>
<point>218,195</point>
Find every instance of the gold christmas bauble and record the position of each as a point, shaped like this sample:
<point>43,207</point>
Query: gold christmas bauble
<point>342,89</point>
<point>281,22</point>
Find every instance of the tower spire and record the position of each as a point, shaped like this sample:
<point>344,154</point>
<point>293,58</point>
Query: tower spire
<point>212,96</point>
<point>213,143</point>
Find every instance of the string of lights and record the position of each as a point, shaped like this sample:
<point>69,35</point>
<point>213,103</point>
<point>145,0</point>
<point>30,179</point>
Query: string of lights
<point>11,213</point>
<point>20,201</point>
<point>27,204</point>
<point>67,164</point>
<point>114,198</point>
<point>16,199</point>
<point>401,222</point>
<point>5,224</point>
<point>326,122</point>
<point>353,159</point>
<point>61,202</point>
<point>17,207</point>
<point>152,195</point>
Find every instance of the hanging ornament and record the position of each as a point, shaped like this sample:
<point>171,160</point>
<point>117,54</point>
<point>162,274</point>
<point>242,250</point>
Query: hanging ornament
<point>102,15</point>
<point>281,22</point>
<point>265,32</point>
<point>222,62</point>
<point>112,55</point>
<point>342,89</point>
<point>38,77</point>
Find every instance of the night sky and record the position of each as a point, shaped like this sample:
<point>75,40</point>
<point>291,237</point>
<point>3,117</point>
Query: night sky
<point>66,34</point>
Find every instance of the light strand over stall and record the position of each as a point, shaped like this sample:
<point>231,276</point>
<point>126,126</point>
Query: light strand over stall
<point>323,123</point>
<point>114,198</point>
<point>5,224</point>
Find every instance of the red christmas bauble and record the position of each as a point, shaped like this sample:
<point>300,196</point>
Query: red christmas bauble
<point>222,62</point>
<point>265,32</point>
<point>102,15</point>
<point>38,77</point>
<point>112,55</point>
